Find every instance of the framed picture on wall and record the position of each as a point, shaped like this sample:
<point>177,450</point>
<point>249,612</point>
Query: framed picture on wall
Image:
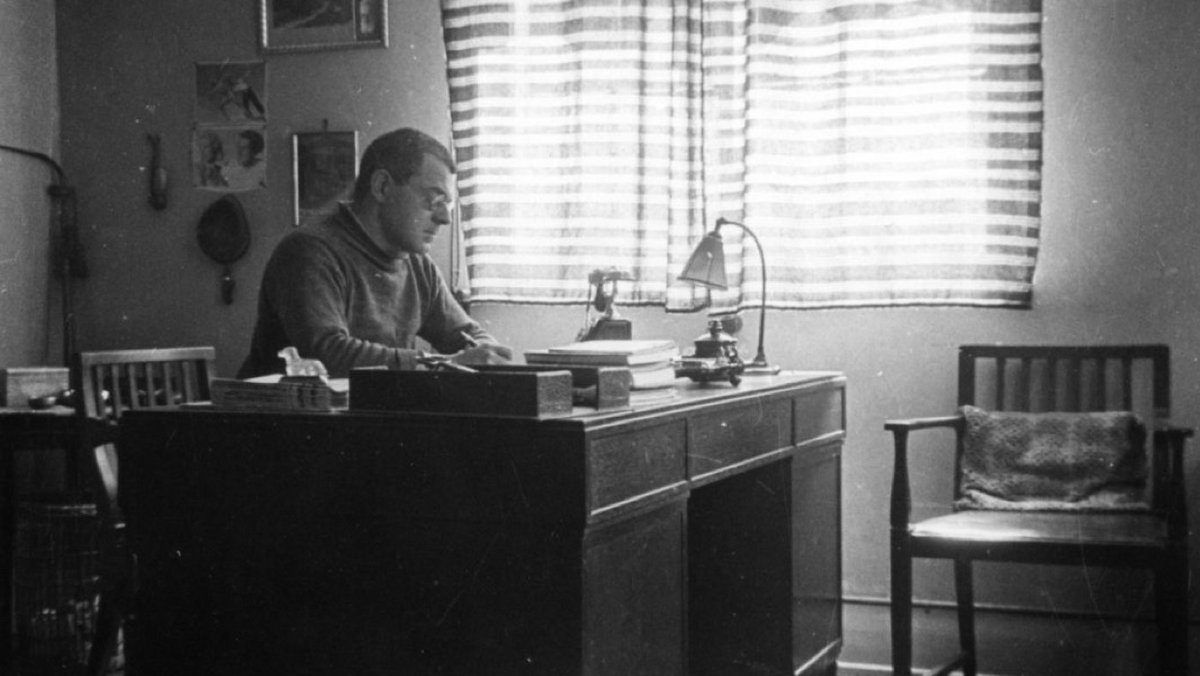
<point>229,159</point>
<point>324,166</point>
<point>307,25</point>
<point>231,92</point>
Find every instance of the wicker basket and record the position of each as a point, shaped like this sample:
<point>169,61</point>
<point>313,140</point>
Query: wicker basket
<point>56,583</point>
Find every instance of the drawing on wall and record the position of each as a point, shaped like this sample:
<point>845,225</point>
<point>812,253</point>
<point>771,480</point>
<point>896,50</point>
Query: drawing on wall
<point>305,25</point>
<point>229,159</point>
<point>229,139</point>
<point>324,167</point>
<point>231,92</point>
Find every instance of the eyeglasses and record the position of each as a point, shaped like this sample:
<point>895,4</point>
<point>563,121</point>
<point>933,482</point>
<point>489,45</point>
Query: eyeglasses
<point>431,199</point>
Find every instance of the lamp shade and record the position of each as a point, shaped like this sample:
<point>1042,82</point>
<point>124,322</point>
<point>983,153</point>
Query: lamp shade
<point>707,267</point>
<point>707,264</point>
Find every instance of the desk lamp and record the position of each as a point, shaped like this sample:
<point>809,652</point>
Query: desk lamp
<point>707,267</point>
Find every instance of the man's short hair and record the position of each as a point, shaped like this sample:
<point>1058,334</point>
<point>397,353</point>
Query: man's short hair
<point>399,152</point>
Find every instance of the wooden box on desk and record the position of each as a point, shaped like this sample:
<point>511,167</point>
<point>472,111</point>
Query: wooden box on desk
<point>599,387</point>
<point>509,390</point>
<point>503,393</point>
<point>19,384</point>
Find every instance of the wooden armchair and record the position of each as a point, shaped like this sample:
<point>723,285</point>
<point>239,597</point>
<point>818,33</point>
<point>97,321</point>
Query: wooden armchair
<point>106,385</point>
<point>1111,521</point>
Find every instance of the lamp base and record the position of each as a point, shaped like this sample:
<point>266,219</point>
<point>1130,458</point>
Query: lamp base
<point>756,368</point>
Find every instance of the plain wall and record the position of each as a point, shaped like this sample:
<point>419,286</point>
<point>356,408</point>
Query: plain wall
<point>1116,264</point>
<point>1119,237</point>
<point>29,332</point>
<point>128,71</point>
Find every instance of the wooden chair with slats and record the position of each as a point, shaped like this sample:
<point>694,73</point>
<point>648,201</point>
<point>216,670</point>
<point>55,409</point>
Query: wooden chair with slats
<point>107,384</point>
<point>1064,386</point>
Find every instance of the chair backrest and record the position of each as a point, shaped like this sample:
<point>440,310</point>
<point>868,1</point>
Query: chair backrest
<point>1067,378</point>
<point>110,382</point>
<point>1037,379</point>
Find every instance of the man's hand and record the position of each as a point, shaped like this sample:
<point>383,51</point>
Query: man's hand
<point>483,353</point>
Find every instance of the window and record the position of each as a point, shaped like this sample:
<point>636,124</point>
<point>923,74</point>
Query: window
<point>885,153</point>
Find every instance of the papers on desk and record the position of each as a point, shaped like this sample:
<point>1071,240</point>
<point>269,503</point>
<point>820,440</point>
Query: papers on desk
<point>606,353</point>
<point>650,362</point>
<point>645,397</point>
<point>281,393</point>
<point>652,376</point>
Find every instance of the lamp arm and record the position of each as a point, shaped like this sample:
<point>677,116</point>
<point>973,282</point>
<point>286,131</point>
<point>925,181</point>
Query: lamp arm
<point>760,359</point>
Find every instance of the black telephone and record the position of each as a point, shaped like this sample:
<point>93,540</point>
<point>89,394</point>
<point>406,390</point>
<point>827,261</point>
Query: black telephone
<point>602,294</point>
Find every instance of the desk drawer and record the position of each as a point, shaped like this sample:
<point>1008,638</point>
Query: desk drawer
<point>819,413</point>
<point>728,436</point>
<point>626,465</point>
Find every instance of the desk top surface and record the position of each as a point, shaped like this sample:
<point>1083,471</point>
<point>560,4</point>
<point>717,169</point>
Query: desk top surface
<point>588,469</point>
<point>687,394</point>
<point>53,420</point>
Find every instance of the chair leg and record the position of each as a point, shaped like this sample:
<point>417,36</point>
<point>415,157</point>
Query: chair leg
<point>1170,608</point>
<point>964,590</point>
<point>108,627</point>
<point>116,591</point>
<point>901,605</point>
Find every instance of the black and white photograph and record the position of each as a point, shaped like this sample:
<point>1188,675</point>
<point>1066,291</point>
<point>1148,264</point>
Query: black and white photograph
<point>229,159</point>
<point>599,337</point>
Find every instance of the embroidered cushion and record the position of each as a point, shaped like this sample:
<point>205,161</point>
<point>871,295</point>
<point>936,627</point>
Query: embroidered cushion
<point>1053,461</point>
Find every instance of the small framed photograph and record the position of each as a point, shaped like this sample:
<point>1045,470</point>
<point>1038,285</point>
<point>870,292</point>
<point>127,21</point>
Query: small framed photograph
<point>309,25</point>
<point>231,92</point>
<point>229,159</point>
<point>324,167</point>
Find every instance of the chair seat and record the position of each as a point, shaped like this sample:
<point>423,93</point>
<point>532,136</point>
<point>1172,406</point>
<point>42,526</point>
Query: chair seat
<point>1139,529</point>
<point>1072,434</point>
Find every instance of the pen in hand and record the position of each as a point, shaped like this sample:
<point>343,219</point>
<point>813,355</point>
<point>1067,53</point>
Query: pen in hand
<point>496,354</point>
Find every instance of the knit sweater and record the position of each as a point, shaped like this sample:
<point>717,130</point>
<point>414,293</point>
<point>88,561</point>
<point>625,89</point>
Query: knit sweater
<point>330,292</point>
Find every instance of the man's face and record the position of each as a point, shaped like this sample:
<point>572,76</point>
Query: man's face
<point>412,213</point>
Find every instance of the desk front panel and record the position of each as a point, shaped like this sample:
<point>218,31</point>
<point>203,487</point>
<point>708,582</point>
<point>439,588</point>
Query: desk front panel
<point>467,544</point>
<point>37,455</point>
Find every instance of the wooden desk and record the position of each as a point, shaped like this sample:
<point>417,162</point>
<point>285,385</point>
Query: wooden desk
<point>697,537</point>
<point>23,429</point>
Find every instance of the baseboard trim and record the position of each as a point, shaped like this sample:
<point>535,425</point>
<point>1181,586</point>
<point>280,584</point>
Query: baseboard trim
<point>867,669</point>
<point>1008,609</point>
<point>1049,643</point>
<point>824,659</point>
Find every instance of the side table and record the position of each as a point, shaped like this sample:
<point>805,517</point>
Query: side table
<point>23,429</point>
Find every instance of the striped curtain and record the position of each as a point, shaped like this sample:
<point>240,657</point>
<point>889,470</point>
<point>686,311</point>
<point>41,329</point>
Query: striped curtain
<point>885,153</point>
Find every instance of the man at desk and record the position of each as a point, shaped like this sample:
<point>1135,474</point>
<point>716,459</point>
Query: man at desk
<point>359,287</point>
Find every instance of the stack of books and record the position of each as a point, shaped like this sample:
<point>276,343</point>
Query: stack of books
<point>280,393</point>
<point>650,362</point>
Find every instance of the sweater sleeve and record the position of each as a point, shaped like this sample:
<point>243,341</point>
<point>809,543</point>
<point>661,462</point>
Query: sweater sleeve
<point>306,285</point>
<point>446,322</point>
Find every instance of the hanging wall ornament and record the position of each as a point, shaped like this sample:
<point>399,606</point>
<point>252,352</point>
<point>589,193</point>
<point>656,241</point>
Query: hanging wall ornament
<point>224,236</point>
<point>158,174</point>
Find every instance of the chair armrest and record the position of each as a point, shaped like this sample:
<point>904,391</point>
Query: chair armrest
<point>911,424</point>
<point>94,438</point>
<point>901,495</point>
<point>97,431</point>
<point>1172,432</point>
